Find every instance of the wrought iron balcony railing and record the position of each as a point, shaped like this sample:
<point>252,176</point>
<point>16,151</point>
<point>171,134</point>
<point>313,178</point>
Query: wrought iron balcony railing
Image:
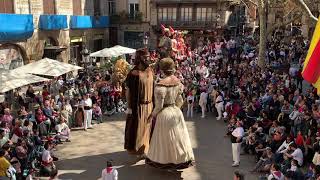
<point>190,24</point>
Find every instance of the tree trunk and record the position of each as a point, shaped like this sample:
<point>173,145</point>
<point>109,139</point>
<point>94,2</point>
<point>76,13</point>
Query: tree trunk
<point>263,33</point>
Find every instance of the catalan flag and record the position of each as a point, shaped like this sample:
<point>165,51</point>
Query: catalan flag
<point>311,68</point>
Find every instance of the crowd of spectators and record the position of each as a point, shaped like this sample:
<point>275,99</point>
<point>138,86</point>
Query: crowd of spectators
<point>280,114</point>
<point>35,120</point>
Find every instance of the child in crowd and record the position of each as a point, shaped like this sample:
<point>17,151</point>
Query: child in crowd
<point>97,113</point>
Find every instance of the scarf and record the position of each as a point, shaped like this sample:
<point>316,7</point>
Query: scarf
<point>277,174</point>
<point>109,169</point>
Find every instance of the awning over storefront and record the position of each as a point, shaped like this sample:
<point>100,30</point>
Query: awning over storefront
<point>101,22</point>
<point>80,22</point>
<point>88,22</point>
<point>15,27</point>
<point>53,22</point>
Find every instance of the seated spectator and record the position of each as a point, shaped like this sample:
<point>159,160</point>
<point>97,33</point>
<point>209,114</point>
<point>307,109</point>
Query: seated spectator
<point>21,152</point>
<point>238,176</point>
<point>316,157</point>
<point>17,132</point>
<point>47,160</point>
<point>265,162</point>
<point>296,154</point>
<point>27,126</point>
<point>283,148</point>
<point>7,117</point>
<point>4,164</point>
<point>22,113</point>
<point>40,117</point>
<point>49,112</point>
<point>295,170</point>
<point>97,113</point>
<point>3,138</point>
<point>275,173</point>
<point>63,131</point>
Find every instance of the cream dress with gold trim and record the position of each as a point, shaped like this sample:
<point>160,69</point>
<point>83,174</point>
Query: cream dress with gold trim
<point>170,146</point>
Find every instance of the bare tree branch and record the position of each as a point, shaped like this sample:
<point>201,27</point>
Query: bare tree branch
<point>305,9</point>
<point>294,16</point>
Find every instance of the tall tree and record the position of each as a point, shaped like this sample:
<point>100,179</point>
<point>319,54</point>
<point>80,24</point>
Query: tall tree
<point>262,8</point>
<point>292,16</point>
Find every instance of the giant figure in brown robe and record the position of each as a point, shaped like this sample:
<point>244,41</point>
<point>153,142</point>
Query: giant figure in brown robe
<point>139,93</point>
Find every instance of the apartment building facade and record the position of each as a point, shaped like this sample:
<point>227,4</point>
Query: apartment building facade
<point>57,29</point>
<point>130,21</point>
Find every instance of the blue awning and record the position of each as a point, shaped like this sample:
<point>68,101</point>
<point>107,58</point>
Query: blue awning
<point>88,22</point>
<point>15,27</point>
<point>53,22</point>
<point>101,22</point>
<point>80,22</point>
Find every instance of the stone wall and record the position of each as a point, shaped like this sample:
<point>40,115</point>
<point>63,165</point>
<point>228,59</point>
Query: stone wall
<point>64,7</point>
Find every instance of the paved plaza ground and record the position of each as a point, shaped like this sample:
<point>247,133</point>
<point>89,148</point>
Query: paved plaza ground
<point>86,155</point>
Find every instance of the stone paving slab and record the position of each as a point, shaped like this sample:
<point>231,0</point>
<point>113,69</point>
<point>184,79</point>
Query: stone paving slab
<point>86,155</point>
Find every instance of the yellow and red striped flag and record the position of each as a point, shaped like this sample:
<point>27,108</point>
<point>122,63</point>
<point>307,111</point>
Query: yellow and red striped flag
<point>311,68</point>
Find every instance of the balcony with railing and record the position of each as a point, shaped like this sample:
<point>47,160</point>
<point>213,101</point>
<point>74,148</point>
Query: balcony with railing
<point>125,18</point>
<point>188,1</point>
<point>191,24</point>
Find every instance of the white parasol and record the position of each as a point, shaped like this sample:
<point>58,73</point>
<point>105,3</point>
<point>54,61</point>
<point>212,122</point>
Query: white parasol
<point>47,67</point>
<point>10,80</point>
<point>115,51</point>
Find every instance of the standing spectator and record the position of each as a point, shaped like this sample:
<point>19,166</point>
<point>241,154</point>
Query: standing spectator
<point>87,107</point>
<point>236,139</point>
<point>203,102</point>
<point>190,100</point>
<point>109,173</point>
<point>219,105</point>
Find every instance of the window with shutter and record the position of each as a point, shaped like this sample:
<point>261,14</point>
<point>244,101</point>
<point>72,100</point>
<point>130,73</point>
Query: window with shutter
<point>6,6</point>
<point>49,7</point>
<point>77,7</point>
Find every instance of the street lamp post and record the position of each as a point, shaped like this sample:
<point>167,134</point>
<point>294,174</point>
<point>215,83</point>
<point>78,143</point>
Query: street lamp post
<point>145,40</point>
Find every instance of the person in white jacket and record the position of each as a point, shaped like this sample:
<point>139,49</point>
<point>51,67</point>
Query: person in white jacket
<point>203,102</point>
<point>285,145</point>
<point>109,173</point>
<point>219,103</point>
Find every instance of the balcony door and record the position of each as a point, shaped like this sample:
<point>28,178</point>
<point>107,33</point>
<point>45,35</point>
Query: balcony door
<point>167,14</point>
<point>186,14</point>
